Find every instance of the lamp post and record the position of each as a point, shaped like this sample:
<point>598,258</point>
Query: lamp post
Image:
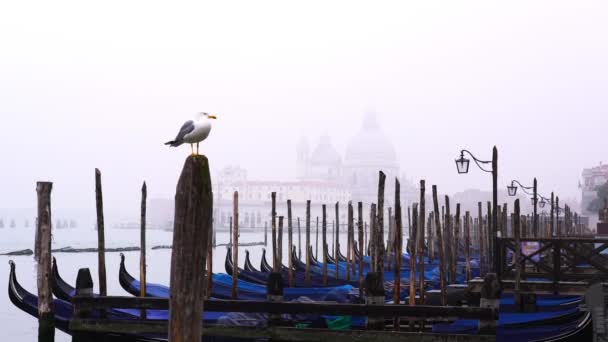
<point>512,189</point>
<point>462,165</point>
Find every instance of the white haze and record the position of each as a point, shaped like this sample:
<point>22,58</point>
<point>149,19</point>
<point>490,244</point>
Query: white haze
<point>85,85</point>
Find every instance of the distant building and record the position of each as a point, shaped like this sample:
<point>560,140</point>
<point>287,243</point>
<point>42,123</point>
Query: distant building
<point>592,178</point>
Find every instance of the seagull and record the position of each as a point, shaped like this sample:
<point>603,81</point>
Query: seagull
<point>193,131</point>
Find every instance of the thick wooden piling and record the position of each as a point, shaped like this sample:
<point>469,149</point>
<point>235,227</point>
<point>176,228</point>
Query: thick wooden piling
<point>456,248</point>
<point>308,246</point>
<point>324,244</point>
<point>289,244</point>
<point>349,246</point>
<point>46,319</point>
<point>413,252</point>
<point>299,240</point>
<point>380,227</point>
<point>444,298</point>
<point>337,243</point>
<point>398,247</point>
<point>84,288</point>
<point>274,289</point>
<point>421,249</point>
<point>142,243</point>
<point>552,224</point>
<point>101,240</point>
<point>193,219</point>
<point>235,245</point>
<point>481,240</point>
<point>372,238</point>
<point>389,240</point>
<point>447,242</point>
<point>361,245</point>
<point>275,261</point>
<point>280,243</point>
<point>517,255</point>
<point>467,245</point>
<point>374,294</point>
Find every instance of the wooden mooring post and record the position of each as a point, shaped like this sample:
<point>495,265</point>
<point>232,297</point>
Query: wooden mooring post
<point>142,242</point>
<point>337,243</point>
<point>84,289</point>
<point>467,245</point>
<point>421,251</point>
<point>379,232</point>
<point>46,318</point>
<point>398,247</point>
<point>324,213</point>
<point>289,244</point>
<point>444,298</point>
<point>349,240</point>
<point>274,289</point>
<point>275,261</point>
<point>235,245</point>
<point>193,219</point>
<point>361,245</point>
<point>308,246</point>
<point>101,240</point>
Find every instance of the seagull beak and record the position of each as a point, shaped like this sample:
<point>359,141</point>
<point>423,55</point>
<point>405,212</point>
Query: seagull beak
<point>212,117</point>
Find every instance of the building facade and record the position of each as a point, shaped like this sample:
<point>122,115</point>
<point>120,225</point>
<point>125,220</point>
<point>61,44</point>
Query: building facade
<point>592,178</point>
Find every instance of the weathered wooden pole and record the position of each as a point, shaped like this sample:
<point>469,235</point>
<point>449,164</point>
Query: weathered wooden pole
<point>273,213</point>
<point>447,242</point>
<point>235,245</point>
<point>413,251</point>
<point>230,234</point>
<point>308,246</point>
<point>337,243</point>
<point>374,294</point>
<point>46,317</point>
<point>209,277</point>
<point>480,236</point>
<point>274,288</point>
<point>280,244</point>
<point>380,227</point>
<point>490,239</point>
<point>517,256</point>
<point>552,224</point>
<point>84,288</point>
<point>467,244</point>
<point>299,240</point>
<point>101,241</point>
<point>456,241</point>
<point>366,241</point>
<point>349,246</point>
<point>444,297</point>
<point>389,240</point>
<point>192,222</point>
<point>372,238</point>
<point>142,253</point>
<point>421,251</point>
<point>361,245</point>
<point>558,230</point>
<point>398,242</point>
<point>289,244</point>
<point>324,244</point>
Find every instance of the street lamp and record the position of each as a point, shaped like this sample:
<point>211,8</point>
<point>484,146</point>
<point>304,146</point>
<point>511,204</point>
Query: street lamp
<point>512,189</point>
<point>462,166</point>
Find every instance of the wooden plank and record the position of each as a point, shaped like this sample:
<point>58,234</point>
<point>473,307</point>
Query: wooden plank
<point>276,333</point>
<point>324,308</point>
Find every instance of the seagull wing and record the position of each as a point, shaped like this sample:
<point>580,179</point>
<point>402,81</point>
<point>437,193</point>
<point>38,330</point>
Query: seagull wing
<point>187,127</point>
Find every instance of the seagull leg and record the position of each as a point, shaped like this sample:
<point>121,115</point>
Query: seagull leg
<point>192,148</point>
<point>197,148</point>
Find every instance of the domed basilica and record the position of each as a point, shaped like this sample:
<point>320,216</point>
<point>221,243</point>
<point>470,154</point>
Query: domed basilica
<point>368,152</point>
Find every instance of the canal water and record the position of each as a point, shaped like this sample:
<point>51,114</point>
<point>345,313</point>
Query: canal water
<point>17,325</point>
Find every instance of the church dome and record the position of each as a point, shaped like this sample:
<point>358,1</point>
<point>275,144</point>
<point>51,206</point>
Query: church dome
<point>370,146</point>
<point>325,153</point>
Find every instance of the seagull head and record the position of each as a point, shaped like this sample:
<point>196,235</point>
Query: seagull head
<point>205,115</point>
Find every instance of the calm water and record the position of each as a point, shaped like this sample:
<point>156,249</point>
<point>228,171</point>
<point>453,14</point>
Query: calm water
<point>20,326</point>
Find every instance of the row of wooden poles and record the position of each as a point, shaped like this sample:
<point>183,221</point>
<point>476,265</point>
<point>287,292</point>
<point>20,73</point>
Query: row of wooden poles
<point>443,230</point>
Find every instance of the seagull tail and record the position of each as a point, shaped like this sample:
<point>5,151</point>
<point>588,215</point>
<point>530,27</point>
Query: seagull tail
<point>173,143</point>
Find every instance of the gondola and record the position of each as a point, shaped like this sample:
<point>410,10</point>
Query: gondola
<point>63,311</point>
<point>222,289</point>
<point>61,289</point>
<point>299,277</point>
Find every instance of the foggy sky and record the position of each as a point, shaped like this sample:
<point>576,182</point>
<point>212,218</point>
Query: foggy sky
<point>86,85</point>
